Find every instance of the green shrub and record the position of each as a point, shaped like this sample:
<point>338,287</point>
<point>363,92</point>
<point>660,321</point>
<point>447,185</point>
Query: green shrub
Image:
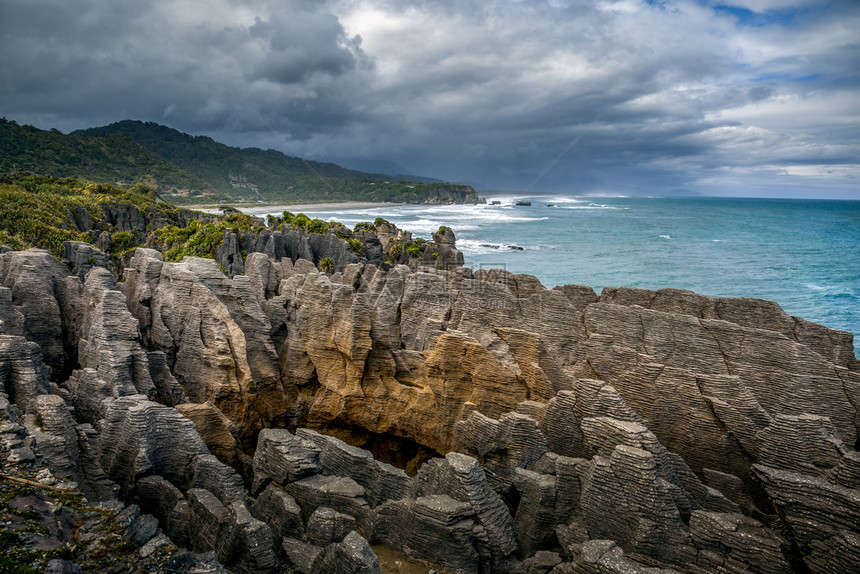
<point>379,221</point>
<point>301,221</point>
<point>364,226</point>
<point>199,239</point>
<point>11,241</point>
<point>355,246</point>
<point>317,226</point>
<point>122,242</point>
<point>326,265</point>
<point>414,250</point>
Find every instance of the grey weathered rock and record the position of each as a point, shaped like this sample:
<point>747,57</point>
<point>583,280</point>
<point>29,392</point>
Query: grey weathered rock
<point>110,341</point>
<point>589,417</point>
<point>542,562</point>
<point>746,312</point>
<point>625,499</point>
<point>436,529</point>
<point>216,430</point>
<point>847,472</point>
<point>645,354</point>
<point>606,557</point>
<point>88,394</point>
<point>214,334</point>
<point>58,439</point>
<point>142,530</point>
<point>283,457</point>
<point>46,296</point>
<point>561,426</point>
<point>83,257</point>
<point>169,391</point>
<point>823,517</point>
<point>139,437</point>
<point>158,497</point>
<point>190,563</point>
<point>280,511</point>
<point>839,553</point>
<point>733,488</point>
<point>462,478</point>
<point>326,526</point>
<point>535,518</point>
<point>351,556</point>
<point>22,372</point>
<point>11,319</point>
<point>299,555</point>
<point>340,493</point>
<point>381,481</point>
<point>219,479</point>
<point>241,542</point>
<point>253,543</point>
<point>807,444</point>
<point>58,566</point>
<point>209,524</point>
<point>735,543</point>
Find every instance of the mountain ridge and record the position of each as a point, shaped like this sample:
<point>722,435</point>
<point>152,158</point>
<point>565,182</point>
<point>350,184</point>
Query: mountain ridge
<point>195,169</point>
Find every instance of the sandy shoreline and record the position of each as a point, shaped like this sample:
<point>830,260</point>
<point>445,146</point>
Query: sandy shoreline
<point>263,208</point>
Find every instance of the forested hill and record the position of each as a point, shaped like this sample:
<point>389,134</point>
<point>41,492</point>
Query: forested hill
<point>252,173</point>
<point>114,159</point>
<point>194,169</point>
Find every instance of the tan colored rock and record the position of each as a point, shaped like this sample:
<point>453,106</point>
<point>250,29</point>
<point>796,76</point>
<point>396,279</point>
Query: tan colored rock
<point>215,429</point>
<point>214,334</point>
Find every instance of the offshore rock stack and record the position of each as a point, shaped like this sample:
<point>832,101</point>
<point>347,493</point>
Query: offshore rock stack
<point>504,427</point>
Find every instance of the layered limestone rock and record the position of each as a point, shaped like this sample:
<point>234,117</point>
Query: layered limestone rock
<point>11,319</point>
<point>823,516</point>
<point>633,431</point>
<point>214,336</point>
<point>632,491</point>
<point>22,371</point>
<point>47,297</point>
<point>373,350</point>
<point>109,340</point>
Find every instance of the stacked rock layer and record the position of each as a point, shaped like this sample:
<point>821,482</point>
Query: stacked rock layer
<point>507,427</point>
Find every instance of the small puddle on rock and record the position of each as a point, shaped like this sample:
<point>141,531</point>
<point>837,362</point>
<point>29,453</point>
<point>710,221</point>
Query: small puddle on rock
<point>393,562</point>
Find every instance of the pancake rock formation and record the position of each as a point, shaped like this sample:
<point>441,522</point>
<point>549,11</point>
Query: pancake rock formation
<point>292,420</point>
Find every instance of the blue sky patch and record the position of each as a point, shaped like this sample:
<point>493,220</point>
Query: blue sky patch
<point>783,17</point>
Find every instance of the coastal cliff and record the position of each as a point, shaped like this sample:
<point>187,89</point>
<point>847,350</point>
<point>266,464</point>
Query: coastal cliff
<point>283,417</point>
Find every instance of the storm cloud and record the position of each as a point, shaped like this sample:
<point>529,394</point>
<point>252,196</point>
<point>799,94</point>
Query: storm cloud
<point>739,97</point>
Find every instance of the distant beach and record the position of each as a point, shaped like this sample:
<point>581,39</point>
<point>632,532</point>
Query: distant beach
<point>261,209</point>
<point>265,208</point>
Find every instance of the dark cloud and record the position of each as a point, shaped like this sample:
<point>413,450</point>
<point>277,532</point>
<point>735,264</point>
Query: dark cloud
<point>740,96</point>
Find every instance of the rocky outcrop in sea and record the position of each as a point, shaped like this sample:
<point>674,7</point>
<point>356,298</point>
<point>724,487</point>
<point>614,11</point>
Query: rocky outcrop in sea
<point>284,419</point>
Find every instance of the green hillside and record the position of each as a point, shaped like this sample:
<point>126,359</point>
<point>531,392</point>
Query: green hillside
<point>114,159</point>
<point>269,175</point>
<point>197,169</point>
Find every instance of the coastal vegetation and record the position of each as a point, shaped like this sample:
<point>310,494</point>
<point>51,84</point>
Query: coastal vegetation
<point>200,239</point>
<point>46,211</point>
<point>43,211</point>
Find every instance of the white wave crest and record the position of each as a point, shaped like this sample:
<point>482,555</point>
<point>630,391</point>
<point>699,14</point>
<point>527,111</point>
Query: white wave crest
<point>478,246</point>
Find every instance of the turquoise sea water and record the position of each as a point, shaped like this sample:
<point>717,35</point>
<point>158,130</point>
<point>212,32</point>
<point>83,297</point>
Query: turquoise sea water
<point>803,254</point>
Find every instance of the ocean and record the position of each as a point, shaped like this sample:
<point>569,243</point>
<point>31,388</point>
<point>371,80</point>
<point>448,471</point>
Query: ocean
<point>803,254</point>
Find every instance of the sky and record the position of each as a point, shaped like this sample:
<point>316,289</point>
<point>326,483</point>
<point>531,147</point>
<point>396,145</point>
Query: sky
<point>724,97</point>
